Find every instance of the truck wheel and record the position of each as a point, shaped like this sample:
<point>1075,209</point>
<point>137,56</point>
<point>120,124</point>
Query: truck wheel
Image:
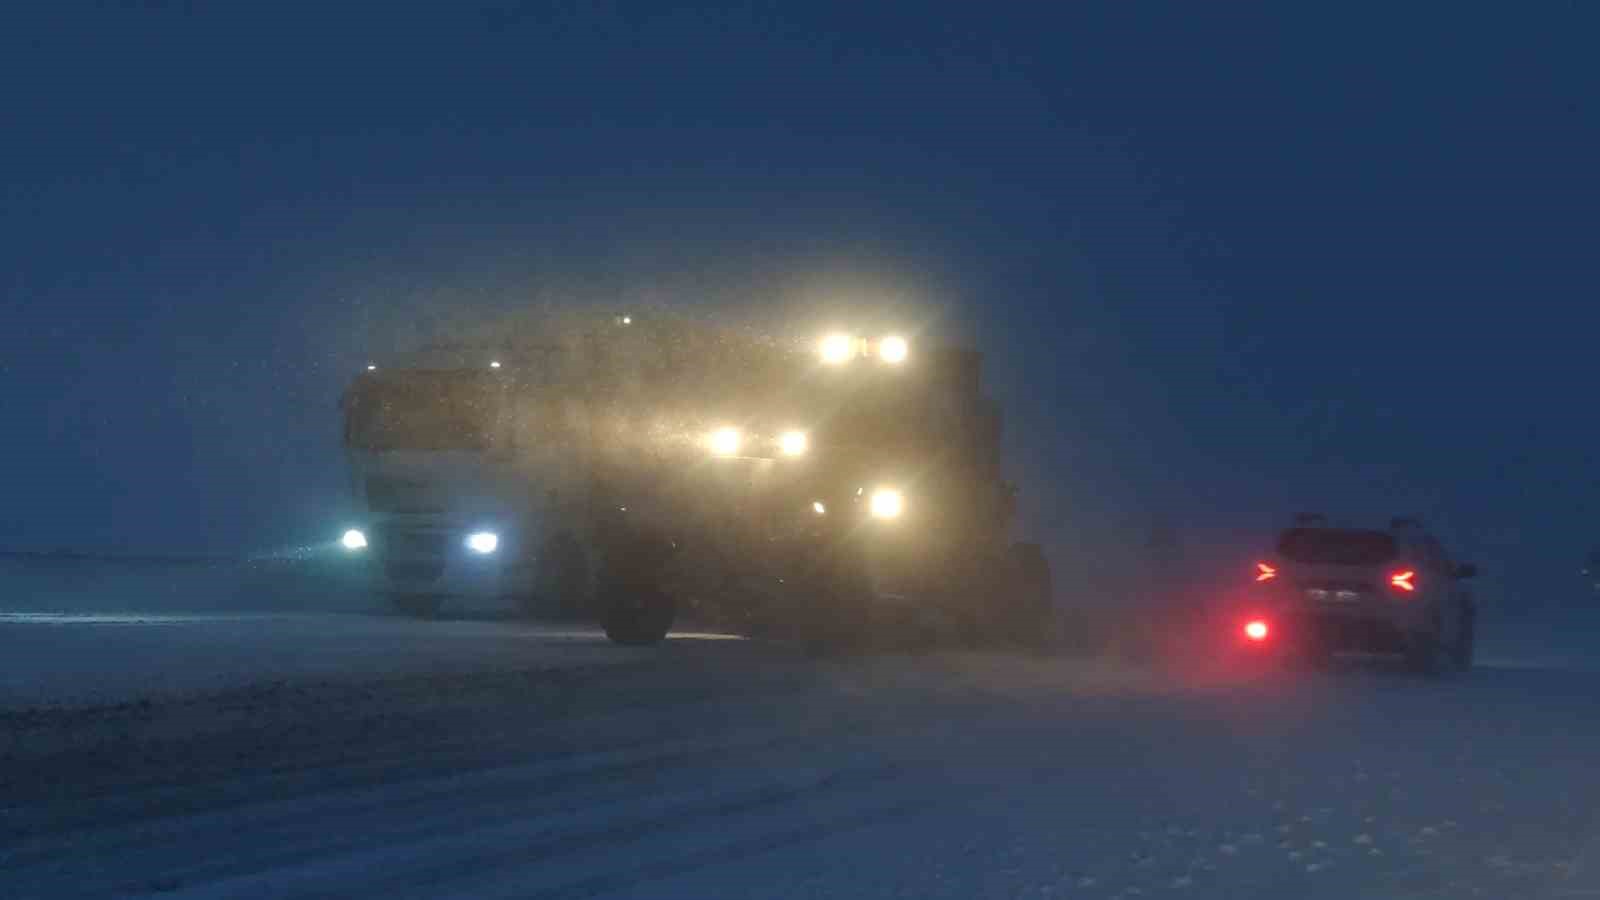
<point>638,616</point>
<point>419,606</point>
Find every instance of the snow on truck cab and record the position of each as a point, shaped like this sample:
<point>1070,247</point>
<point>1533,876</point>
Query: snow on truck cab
<point>1393,590</point>
<point>838,490</point>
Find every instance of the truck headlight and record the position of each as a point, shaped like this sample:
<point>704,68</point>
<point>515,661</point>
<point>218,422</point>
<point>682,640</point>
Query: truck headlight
<point>793,443</point>
<point>893,350</point>
<point>354,540</point>
<point>483,542</point>
<point>726,441</point>
<point>887,503</point>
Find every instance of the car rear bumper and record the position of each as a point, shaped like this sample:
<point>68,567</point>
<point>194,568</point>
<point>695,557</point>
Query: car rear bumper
<point>1380,624</point>
<point>1367,630</point>
<point>1370,634</point>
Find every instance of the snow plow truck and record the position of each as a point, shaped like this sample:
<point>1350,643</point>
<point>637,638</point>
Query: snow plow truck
<point>842,491</point>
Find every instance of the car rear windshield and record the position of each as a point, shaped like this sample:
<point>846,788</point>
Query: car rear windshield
<point>1337,546</point>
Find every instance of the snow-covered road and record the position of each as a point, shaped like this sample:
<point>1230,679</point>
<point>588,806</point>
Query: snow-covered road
<point>735,775</point>
<point>732,769</point>
<point>104,658</point>
<point>79,632</point>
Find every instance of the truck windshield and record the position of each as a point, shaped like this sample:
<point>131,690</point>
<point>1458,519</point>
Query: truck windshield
<point>433,411</point>
<point>1337,546</point>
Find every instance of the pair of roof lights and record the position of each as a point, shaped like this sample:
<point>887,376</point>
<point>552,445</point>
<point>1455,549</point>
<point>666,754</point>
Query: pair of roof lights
<point>838,349</point>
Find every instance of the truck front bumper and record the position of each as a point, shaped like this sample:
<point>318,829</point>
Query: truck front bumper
<point>413,558</point>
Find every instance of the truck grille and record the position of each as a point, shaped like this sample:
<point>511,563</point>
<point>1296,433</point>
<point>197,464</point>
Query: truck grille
<point>401,495</point>
<point>400,543</point>
<point>401,570</point>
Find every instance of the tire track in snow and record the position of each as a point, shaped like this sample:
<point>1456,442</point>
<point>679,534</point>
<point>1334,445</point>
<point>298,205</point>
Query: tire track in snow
<point>576,772</point>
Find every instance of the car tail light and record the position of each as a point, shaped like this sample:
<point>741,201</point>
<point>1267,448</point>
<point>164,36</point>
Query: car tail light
<point>1256,630</point>
<point>1265,572</point>
<point>1403,581</point>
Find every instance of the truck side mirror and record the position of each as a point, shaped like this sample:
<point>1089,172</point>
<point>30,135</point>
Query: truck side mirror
<point>1466,570</point>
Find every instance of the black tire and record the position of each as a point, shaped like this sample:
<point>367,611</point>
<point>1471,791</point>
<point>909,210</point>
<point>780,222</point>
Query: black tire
<point>638,616</point>
<point>417,606</point>
<point>562,585</point>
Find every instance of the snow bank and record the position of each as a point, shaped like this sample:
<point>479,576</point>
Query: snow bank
<point>43,584</point>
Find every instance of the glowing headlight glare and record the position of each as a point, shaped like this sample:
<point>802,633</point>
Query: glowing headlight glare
<point>354,540</point>
<point>792,443</point>
<point>887,503</point>
<point>893,350</point>
<point>483,542</point>
<point>726,441</point>
<point>838,348</point>
<point>818,507</point>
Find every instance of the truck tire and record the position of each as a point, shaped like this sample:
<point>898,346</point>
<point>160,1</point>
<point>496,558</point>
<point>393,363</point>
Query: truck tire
<point>417,606</point>
<point>638,615</point>
<point>634,608</point>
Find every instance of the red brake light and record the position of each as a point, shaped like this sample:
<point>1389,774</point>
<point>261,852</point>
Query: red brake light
<point>1265,572</point>
<point>1404,581</point>
<point>1256,630</point>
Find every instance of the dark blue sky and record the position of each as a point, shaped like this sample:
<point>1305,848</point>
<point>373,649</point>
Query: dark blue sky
<point>1229,260</point>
